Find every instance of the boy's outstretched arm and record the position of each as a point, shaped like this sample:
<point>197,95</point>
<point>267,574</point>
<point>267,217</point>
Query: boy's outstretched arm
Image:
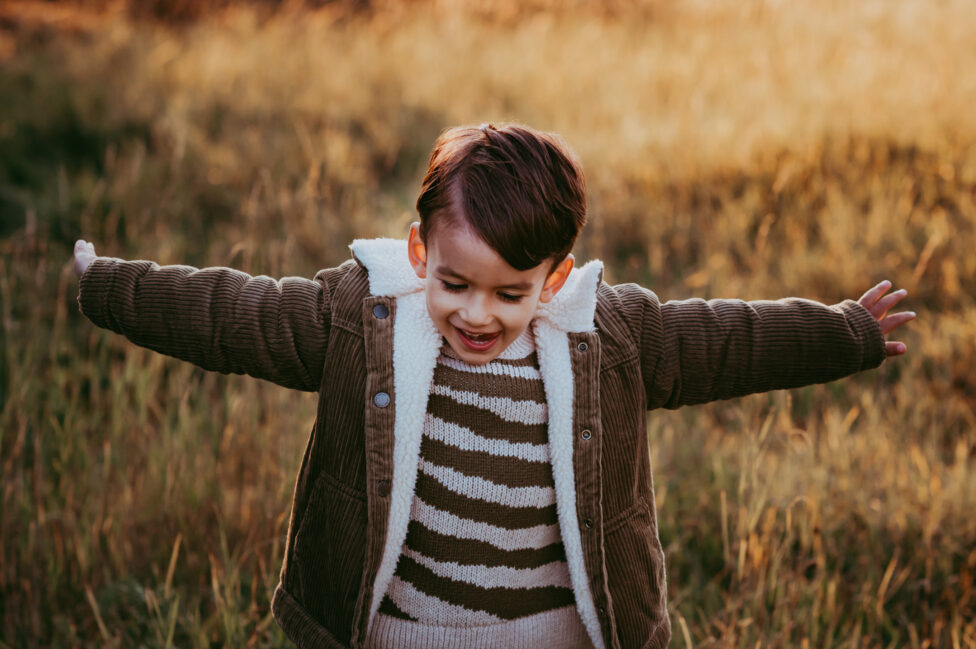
<point>694,351</point>
<point>218,318</point>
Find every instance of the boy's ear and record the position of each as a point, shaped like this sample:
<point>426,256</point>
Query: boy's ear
<point>556,279</point>
<point>417,251</point>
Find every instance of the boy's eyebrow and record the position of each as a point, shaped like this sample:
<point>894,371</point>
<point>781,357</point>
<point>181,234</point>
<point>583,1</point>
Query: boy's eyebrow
<point>520,286</point>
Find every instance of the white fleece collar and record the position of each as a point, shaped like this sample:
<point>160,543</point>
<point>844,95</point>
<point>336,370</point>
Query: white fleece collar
<point>416,343</point>
<point>390,275</point>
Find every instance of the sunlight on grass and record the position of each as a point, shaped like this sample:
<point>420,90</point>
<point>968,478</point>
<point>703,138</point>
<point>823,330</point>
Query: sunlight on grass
<point>751,150</point>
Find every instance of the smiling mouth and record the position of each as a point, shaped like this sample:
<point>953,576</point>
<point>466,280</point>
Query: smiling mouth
<point>477,342</point>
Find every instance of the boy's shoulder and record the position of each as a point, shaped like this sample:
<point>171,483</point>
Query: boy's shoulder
<point>347,276</point>
<point>346,286</point>
<point>631,298</point>
<point>377,268</point>
<point>624,313</point>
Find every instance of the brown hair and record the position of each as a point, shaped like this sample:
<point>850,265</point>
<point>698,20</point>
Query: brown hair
<point>521,190</point>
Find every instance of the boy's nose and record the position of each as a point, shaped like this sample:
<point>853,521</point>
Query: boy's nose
<point>476,313</point>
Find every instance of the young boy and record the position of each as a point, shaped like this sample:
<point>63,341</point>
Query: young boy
<point>478,474</point>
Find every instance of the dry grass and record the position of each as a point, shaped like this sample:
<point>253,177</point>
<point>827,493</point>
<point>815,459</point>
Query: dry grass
<point>732,150</point>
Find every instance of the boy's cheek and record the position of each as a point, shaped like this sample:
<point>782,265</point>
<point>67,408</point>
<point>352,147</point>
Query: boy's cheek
<point>438,309</point>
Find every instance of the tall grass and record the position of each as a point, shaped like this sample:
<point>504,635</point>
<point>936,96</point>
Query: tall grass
<point>748,150</point>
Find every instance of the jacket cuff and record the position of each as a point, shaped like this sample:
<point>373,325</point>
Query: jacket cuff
<point>94,289</point>
<point>867,331</point>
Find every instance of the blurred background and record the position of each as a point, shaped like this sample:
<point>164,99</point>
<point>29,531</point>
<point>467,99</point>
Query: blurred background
<point>748,148</point>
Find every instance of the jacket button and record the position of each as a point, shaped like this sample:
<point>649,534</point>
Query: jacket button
<point>603,610</point>
<point>589,523</point>
<point>381,311</point>
<point>586,433</point>
<point>582,347</point>
<point>381,399</point>
<point>383,488</point>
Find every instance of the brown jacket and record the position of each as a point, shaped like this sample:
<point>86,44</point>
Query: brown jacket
<point>605,361</point>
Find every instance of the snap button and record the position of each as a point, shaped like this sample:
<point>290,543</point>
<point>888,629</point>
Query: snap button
<point>585,434</point>
<point>589,523</point>
<point>381,311</point>
<point>383,488</point>
<point>603,610</point>
<point>381,399</point>
<point>582,347</point>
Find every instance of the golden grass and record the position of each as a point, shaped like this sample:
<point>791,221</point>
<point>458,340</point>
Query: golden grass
<point>748,150</point>
<point>681,91</point>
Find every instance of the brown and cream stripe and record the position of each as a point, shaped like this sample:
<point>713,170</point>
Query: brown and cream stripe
<point>483,546</point>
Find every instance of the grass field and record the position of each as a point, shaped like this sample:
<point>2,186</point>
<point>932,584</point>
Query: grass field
<point>732,149</point>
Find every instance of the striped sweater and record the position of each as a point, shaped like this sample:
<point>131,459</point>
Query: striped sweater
<point>483,563</point>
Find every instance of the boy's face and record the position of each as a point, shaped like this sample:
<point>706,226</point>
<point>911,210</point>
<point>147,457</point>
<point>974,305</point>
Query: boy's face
<point>479,303</point>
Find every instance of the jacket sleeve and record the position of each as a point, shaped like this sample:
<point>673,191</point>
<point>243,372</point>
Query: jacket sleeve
<point>218,318</point>
<point>694,351</point>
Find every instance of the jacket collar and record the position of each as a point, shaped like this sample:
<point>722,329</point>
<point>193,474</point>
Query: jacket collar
<point>571,310</point>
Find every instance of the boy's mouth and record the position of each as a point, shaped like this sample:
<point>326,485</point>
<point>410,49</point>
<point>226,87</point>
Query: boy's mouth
<point>477,342</point>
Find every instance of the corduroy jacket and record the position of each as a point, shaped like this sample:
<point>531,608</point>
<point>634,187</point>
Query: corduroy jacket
<point>359,335</point>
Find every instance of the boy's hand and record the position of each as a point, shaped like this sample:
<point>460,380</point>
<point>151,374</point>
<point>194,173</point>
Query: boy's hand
<point>878,304</point>
<point>84,256</point>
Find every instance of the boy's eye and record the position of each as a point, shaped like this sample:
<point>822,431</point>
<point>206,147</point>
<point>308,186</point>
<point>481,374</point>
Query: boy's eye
<point>448,286</point>
<point>454,288</point>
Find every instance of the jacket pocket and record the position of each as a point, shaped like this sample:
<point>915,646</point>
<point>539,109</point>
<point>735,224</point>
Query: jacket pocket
<point>329,550</point>
<point>635,577</point>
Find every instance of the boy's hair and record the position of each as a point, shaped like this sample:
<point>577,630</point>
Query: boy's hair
<point>522,191</point>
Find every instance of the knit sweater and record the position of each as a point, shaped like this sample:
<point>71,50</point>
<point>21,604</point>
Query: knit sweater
<point>483,564</point>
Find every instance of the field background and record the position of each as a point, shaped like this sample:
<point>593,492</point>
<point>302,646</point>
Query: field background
<point>734,148</point>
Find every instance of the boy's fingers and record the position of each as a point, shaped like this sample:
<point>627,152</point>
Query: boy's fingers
<point>882,306</point>
<point>895,349</point>
<point>871,295</point>
<point>892,322</point>
<point>83,247</point>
